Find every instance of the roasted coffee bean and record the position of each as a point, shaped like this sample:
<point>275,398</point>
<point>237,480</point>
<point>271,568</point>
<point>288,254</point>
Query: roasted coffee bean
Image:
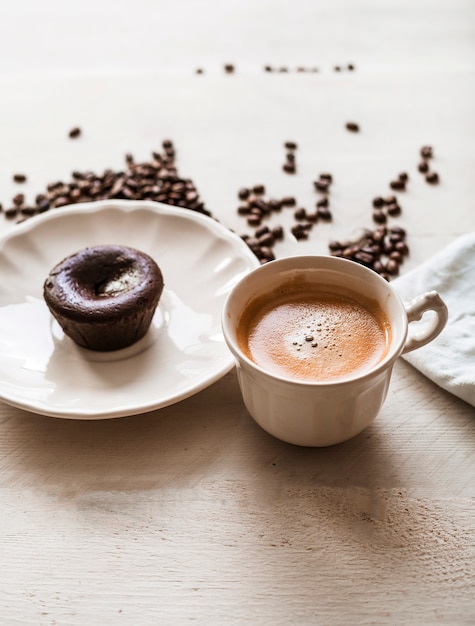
<point>423,167</point>
<point>404,176</point>
<point>288,201</point>
<point>396,256</point>
<point>274,205</point>
<point>289,168</point>
<point>290,157</point>
<point>321,184</point>
<point>300,214</point>
<point>350,66</point>
<point>229,68</point>
<point>379,234</point>
<point>254,219</point>
<point>322,202</point>
<point>266,240</point>
<point>75,132</point>
<point>278,232</point>
<point>378,202</point>
<point>28,211</point>
<point>243,193</point>
<point>18,199</point>
<point>263,230</point>
<point>398,230</point>
<point>390,200</point>
<point>401,247</point>
<point>266,254</point>
<point>352,127</point>
<point>398,185</point>
<point>364,258</point>
<point>432,178</point>
<point>11,212</point>
<point>393,209</point>
<point>324,213</point>
<point>290,145</point>
<point>392,267</point>
<point>259,190</point>
<point>379,216</point>
<point>426,152</point>
<point>19,178</point>
<point>299,232</point>
<point>244,209</point>
<point>378,266</point>
<point>326,176</point>
<point>267,68</point>
<point>312,217</point>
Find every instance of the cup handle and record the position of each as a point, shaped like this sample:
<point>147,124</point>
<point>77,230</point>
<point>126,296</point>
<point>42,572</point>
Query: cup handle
<point>430,301</point>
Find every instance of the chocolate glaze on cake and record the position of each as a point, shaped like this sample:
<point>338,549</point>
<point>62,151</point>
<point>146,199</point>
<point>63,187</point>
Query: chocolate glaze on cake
<point>104,297</point>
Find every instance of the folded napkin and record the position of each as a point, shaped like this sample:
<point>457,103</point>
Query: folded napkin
<point>449,360</point>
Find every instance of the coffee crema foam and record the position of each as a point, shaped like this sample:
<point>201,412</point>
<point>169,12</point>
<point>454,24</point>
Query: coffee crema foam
<point>314,334</point>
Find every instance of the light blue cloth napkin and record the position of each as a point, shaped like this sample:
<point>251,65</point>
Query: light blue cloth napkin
<point>449,360</point>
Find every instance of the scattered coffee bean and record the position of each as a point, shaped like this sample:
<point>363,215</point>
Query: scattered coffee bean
<point>156,180</point>
<point>393,209</point>
<point>379,216</point>
<point>18,199</point>
<point>426,152</point>
<point>432,178</point>
<point>199,70</point>
<point>254,219</point>
<point>19,178</point>
<point>229,68</point>
<point>352,127</point>
<point>244,193</point>
<point>423,167</point>
<point>398,185</point>
<point>75,132</point>
<point>259,190</point>
<point>11,212</point>
<point>299,232</point>
<point>324,213</point>
<point>382,250</point>
<point>288,201</point>
<point>378,202</point>
<point>290,166</point>
<point>300,214</point>
<point>321,184</point>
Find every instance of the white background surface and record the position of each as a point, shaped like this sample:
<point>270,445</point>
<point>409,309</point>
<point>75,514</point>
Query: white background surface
<point>193,514</point>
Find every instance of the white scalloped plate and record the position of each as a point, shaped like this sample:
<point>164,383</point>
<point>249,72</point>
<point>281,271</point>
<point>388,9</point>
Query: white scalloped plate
<point>43,371</point>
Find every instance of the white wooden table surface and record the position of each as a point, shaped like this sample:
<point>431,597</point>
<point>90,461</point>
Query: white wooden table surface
<point>192,514</point>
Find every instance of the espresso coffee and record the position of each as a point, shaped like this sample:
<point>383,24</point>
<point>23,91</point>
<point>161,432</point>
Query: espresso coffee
<point>314,334</point>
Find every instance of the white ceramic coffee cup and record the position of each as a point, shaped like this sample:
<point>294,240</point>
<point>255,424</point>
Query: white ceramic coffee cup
<point>325,413</point>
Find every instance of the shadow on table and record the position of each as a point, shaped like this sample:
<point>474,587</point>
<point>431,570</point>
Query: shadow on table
<point>206,439</point>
